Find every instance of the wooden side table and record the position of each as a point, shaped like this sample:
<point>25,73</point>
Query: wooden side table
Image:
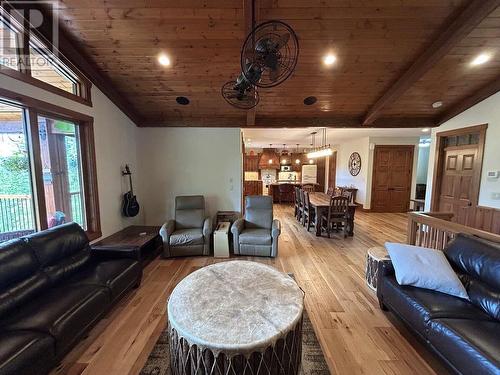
<point>374,256</point>
<point>136,241</point>
<point>221,240</point>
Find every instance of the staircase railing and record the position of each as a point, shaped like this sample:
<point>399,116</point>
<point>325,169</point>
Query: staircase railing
<point>435,230</point>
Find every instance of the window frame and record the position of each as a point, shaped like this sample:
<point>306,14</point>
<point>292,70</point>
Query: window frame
<point>35,40</point>
<point>32,109</point>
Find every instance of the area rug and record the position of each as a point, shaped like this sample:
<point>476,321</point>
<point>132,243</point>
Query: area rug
<point>313,360</point>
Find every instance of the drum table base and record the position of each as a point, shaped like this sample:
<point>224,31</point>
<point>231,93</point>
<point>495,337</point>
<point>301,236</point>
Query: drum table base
<point>374,256</point>
<point>282,359</point>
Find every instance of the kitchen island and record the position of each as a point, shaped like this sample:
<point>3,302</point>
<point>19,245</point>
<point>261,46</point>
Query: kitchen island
<point>287,193</point>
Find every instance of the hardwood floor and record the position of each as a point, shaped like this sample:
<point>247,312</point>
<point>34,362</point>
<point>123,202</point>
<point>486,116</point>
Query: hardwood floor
<point>356,336</point>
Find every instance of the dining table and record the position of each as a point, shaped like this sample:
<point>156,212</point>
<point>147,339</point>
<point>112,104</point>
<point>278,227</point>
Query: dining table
<point>320,202</point>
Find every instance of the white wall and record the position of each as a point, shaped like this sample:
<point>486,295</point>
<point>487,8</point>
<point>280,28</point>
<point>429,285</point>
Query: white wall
<point>188,161</point>
<point>423,165</point>
<point>115,143</point>
<point>344,178</point>
<point>485,112</point>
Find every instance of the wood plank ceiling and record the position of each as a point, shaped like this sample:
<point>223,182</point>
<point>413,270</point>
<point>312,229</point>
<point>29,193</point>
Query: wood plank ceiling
<point>375,43</point>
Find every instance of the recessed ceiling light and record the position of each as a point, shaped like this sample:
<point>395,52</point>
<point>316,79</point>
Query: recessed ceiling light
<point>481,59</point>
<point>329,59</point>
<point>182,100</point>
<point>437,104</point>
<point>426,130</point>
<point>164,60</point>
<point>310,100</point>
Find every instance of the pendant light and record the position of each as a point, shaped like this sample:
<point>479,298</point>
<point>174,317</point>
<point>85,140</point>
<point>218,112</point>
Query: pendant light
<point>297,154</point>
<point>323,150</point>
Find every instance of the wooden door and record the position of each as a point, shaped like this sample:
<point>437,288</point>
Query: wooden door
<point>332,170</point>
<point>457,178</point>
<point>457,186</point>
<point>392,172</point>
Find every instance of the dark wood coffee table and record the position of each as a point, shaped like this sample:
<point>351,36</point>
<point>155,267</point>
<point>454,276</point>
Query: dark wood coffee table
<point>136,241</point>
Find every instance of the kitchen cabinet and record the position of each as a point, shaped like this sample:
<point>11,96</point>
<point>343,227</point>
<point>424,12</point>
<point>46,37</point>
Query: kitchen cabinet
<point>252,188</point>
<point>251,163</point>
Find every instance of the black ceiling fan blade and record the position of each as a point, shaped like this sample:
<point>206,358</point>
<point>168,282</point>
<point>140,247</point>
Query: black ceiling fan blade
<point>274,74</point>
<point>282,41</point>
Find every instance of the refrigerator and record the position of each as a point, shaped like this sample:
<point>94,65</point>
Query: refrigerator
<point>309,173</point>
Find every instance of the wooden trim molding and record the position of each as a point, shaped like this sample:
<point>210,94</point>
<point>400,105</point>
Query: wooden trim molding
<point>446,38</point>
<point>27,101</point>
<point>48,87</point>
<point>89,167</point>
<point>292,122</point>
<point>439,160</point>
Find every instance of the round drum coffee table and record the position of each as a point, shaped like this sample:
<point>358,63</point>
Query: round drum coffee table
<point>236,317</point>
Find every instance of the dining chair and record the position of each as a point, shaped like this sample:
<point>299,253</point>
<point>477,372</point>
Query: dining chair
<point>347,194</point>
<point>337,214</point>
<point>337,192</point>
<point>296,200</point>
<point>301,207</point>
<point>308,187</point>
<point>330,191</point>
<point>308,215</point>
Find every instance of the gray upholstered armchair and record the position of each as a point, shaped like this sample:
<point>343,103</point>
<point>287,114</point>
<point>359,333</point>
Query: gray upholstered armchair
<point>189,233</point>
<point>257,234</point>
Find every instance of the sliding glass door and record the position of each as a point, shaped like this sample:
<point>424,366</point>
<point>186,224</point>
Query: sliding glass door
<point>17,210</point>
<point>42,179</point>
<point>62,171</point>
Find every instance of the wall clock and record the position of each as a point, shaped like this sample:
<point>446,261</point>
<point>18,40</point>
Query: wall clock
<point>354,164</point>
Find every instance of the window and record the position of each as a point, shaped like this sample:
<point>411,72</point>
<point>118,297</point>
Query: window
<point>8,45</point>
<point>47,69</point>
<point>47,168</point>
<point>30,59</point>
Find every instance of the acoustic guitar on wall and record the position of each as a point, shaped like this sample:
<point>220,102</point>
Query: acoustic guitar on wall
<point>130,206</point>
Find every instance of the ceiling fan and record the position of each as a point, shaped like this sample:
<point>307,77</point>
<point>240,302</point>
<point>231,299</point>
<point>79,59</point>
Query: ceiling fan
<point>268,57</point>
<point>240,93</point>
<point>269,54</point>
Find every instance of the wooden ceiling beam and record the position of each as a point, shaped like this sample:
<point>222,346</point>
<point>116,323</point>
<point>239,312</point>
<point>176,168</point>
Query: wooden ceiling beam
<point>293,122</point>
<point>249,7</point>
<point>460,27</point>
<point>484,92</point>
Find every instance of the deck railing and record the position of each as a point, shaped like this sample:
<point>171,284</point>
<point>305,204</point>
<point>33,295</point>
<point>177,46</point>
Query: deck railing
<point>435,230</point>
<point>77,207</point>
<point>16,216</point>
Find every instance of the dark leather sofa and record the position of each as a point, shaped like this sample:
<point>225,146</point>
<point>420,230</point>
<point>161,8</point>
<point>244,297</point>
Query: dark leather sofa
<point>466,335</point>
<point>53,289</point>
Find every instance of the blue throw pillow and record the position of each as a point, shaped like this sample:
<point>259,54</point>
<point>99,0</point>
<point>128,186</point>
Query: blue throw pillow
<point>424,268</point>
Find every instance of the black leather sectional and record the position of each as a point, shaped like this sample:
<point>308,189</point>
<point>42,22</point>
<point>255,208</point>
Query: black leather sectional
<point>466,335</point>
<point>53,289</point>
